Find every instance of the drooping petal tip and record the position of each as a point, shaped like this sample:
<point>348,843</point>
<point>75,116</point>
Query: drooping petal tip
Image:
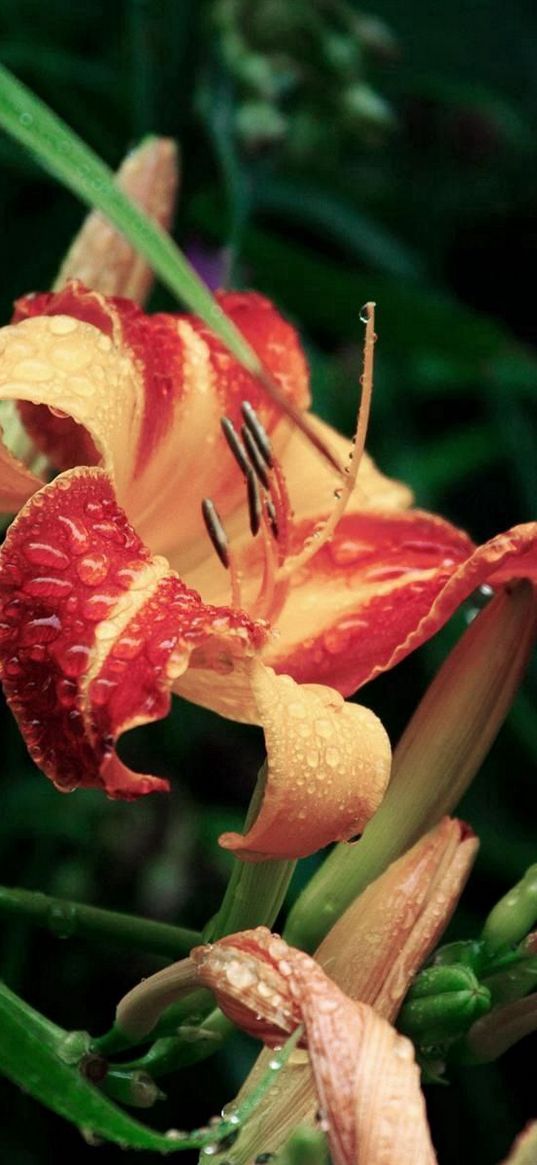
<point>328,767</point>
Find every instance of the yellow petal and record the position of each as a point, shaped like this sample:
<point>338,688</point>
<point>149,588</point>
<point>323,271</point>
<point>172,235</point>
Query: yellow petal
<point>328,767</point>
<point>311,483</point>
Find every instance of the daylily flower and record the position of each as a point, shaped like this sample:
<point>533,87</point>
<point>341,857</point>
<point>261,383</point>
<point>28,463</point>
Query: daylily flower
<point>170,554</point>
<point>360,1071</point>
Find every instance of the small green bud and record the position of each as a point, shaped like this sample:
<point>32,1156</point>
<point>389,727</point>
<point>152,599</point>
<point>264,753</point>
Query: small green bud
<point>440,980</point>
<point>513,916</point>
<point>442,1004</point>
<point>468,952</point>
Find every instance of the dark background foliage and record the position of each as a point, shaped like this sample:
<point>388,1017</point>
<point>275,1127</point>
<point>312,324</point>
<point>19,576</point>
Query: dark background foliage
<point>394,159</point>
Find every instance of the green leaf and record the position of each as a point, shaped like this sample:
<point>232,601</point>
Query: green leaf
<point>43,1060</point>
<point>67,158</point>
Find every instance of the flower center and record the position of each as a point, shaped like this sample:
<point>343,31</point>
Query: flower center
<point>269,506</point>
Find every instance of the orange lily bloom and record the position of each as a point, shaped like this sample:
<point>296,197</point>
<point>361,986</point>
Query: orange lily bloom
<point>112,594</point>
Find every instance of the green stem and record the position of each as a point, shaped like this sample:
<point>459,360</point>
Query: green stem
<point>256,890</point>
<point>66,919</point>
<point>189,1046</point>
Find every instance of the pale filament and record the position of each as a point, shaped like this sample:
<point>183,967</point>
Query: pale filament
<point>235,582</point>
<point>323,533</point>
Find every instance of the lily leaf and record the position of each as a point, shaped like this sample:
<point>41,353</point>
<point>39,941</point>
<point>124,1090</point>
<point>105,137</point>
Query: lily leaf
<point>43,1059</point>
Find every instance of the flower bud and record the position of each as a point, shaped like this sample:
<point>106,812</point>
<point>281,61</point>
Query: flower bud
<point>442,1004</point>
<point>513,916</point>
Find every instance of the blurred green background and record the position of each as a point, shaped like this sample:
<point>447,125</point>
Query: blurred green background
<point>330,156</point>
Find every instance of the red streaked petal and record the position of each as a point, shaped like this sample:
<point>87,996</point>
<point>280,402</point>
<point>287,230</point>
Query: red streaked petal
<point>362,595</point>
<point>383,586</point>
<point>177,380</point>
<point>93,632</point>
<point>328,764</point>
<point>99,255</point>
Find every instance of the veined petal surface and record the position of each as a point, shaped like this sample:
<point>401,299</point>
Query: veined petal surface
<point>94,630</point>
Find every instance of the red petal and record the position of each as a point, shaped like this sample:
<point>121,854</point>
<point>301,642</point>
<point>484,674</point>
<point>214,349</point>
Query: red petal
<point>93,632</point>
<point>383,586</point>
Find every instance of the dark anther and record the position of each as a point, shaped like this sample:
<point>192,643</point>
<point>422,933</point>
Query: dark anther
<point>262,1158</point>
<point>235,445</point>
<point>258,431</point>
<point>258,463</point>
<point>215,530</point>
<point>254,505</point>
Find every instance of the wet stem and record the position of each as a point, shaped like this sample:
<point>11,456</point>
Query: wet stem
<point>256,890</point>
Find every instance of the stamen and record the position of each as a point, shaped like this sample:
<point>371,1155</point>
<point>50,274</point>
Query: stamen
<point>235,445</point>
<point>216,531</point>
<point>321,535</point>
<point>254,504</point>
<point>300,420</point>
<point>256,459</point>
<point>271,515</point>
<point>258,432</point>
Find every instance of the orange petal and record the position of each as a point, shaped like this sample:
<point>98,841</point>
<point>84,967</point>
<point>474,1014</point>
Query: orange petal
<point>366,1077</point>
<point>368,1082</point>
<point>383,586</point>
<point>328,767</point>
<point>159,431</point>
<point>99,256</point>
<point>93,632</point>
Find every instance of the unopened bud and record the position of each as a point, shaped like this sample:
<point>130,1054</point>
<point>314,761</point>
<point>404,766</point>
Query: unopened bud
<point>513,916</point>
<point>442,1004</point>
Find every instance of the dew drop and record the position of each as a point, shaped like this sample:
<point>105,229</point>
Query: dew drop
<point>74,660</point>
<point>92,569</point>
<point>44,554</point>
